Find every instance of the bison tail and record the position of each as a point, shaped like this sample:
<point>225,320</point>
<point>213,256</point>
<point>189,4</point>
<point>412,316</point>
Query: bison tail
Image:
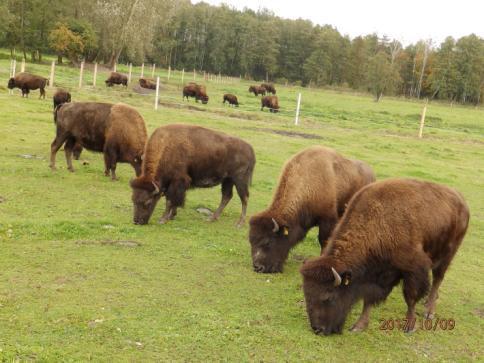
<point>57,108</point>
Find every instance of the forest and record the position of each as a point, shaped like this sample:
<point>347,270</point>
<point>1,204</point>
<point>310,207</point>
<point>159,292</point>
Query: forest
<point>253,44</point>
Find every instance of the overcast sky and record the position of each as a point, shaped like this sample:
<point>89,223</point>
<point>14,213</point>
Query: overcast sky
<point>405,20</point>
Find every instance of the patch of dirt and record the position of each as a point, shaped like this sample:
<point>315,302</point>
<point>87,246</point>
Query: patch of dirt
<point>479,312</point>
<point>2,199</point>
<point>28,156</point>
<point>180,106</point>
<point>108,242</point>
<point>204,211</point>
<point>143,91</point>
<point>286,133</point>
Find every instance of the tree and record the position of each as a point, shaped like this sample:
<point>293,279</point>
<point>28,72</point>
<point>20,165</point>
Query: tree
<point>66,43</point>
<point>382,77</point>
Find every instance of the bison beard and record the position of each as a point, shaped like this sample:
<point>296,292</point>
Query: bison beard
<point>398,229</point>
<point>313,189</point>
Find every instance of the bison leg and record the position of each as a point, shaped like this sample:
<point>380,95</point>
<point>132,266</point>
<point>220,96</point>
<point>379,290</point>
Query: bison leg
<point>362,322</point>
<point>42,94</point>
<point>68,148</point>
<point>169,214</point>
<point>243,192</point>
<point>54,147</point>
<point>110,160</point>
<point>227,187</point>
<point>437,277</point>
<point>326,226</point>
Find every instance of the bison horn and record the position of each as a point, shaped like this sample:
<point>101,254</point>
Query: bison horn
<point>337,277</point>
<point>276,226</point>
<point>157,188</point>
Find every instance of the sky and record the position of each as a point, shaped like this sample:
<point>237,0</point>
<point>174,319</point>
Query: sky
<point>405,20</point>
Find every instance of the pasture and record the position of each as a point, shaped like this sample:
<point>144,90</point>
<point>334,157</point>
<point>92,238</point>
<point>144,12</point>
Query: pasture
<point>79,281</point>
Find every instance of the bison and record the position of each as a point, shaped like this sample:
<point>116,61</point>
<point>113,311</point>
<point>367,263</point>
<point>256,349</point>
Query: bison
<point>313,190</point>
<point>199,92</point>
<point>116,78</point>
<point>231,99</point>
<point>397,229</point>
<point>271,102</point>
<point>257,90</point>
<point>60,97</point>
<point>117,130</point>
<point>147,83</point>
<point>27,82</point>
<point>179,157</point>
<point>269,88</point>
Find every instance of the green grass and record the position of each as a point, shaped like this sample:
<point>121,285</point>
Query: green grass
<point>72,290</point>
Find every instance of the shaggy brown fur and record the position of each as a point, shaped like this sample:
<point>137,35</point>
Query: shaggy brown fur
<point>147,83</point>
<point>270,102</point>
<point>269,88</point>
<point>397,229</point>
<point>313,189</point>
<point>116,78</point>
<point>118,131</point>
<point>178,157</point>
<point>27,82</point>
<point>60,97</point>
<point>231,99</point>
<point>197,91</point>
<point>257,90</point>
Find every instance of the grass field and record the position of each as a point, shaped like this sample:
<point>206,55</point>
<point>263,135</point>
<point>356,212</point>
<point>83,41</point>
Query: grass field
<point>79,281</point>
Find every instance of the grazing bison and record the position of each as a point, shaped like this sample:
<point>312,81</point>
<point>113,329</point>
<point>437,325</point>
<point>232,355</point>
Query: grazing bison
<point>27,82</point>
<point>393,230</point>
<point>231,99</point>
<point>60,97</point>
<point>313,190</point>
<point>271,102</point>
<point>197,91</point>
<point>147,83</point>
<point>116,78</point>
<point>180,157</point>
<point>118,131</point>
<point>257,90</point>
<point>269,88</point>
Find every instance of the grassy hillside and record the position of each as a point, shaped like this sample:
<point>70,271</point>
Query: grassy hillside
<point>79,281</point>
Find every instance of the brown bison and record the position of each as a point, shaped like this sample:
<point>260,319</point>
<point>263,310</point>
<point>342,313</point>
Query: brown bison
<point>197,91</point>
<point>180,157</point>
<point>27,82</point>
<point>116,78</point>
<point>313,190</point>
<point>147,83</point>
<point>118,131</point>
<point>397,229</point>
<point>257,90</point>
<point>271,102</point>
<point>60,97</point>
<point>231,99</point>
<point>269,88</point>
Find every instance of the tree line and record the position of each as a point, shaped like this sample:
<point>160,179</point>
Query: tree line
<point>254,44</point>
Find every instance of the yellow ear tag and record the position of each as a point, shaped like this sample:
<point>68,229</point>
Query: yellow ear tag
<point>347,282</point>
<point>286,231</point>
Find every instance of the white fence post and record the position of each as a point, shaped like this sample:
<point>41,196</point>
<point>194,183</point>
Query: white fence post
<point>81,73</point>
<point>194,75</point>
<point>169,72</point>
<point>142,70</point>
<point>115,67</point>
<point>183,75</point>
<point>129,72</point>
<point>296,121</point>
<point>13,67</point>
<point>94,76</point>
<point>422,120</point>
<point>22,66</point>
<point>52,70</point>
<point>153,70</point>
<point>157,92</point>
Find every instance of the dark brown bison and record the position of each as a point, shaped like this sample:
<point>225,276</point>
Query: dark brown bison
<point>397,229</point>
<point>313,190</point>
<point>27,82</point>
<point>147,83</point>
<point>116,78</point>
<point>118,131</point>
<point>271,102</point>
<point>180,157</point>
<point>257,90</point>
<point>269,88</point>
<point>197,91</point>
<point>60,97</point>
<point>231,99</point>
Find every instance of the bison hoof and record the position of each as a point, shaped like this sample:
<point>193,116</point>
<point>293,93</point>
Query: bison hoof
<point>212,218</point>
<point>52,167</point>
<point>428,315</point>
<point>240,224</point>
<point>163,220</point>
<point>357,328</point>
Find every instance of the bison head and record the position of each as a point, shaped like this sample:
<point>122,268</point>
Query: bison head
<point>11,83</point>
<point>204,99</point>
<point>270,244</point>
<point>146,193</point>
<point>329,295</point>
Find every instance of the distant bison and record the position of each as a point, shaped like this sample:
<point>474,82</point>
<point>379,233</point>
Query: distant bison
<point>271,102</point>
<point>117,130</point>
<point>397,229</point>
<point>197,91</point>
<point>116,78</point>
<point>231,99</point>
<point>60,97</point>
<point>269,88</point>
<point>27,82</point>
<point>313,190</point>
<point>180,157</point>
<point>147,83</point>
<point>257,90</point>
